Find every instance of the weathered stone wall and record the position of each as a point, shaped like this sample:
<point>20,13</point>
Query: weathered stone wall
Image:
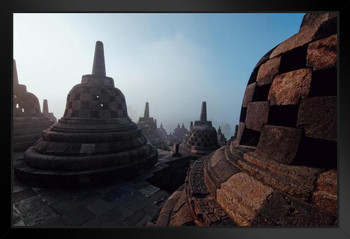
<point>290,103</point>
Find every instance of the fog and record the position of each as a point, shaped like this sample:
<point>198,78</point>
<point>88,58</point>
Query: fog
<point>172,61</point>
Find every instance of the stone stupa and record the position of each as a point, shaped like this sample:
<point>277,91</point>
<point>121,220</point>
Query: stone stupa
<point>281,169</point>
<point>202,138</point>
<point>148,126</point>
<point>46,112</point>
<point>221,137</point>
<point>94,141</point>
<point>28,121</point>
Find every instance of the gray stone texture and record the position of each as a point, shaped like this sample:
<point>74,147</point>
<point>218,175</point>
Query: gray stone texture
<point>257,114</point>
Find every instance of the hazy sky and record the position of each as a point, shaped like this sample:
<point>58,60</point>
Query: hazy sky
<point>173,61</point>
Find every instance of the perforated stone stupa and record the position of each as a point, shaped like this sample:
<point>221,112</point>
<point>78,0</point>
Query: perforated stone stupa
<point>148,126</point>
<point>95,140</point>
<point>28,121</point>
<point>281,170</point>
<point>202,137</point>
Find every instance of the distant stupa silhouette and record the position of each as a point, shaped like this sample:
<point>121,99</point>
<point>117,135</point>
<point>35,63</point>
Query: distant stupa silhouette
<point>94,141</point>
<point>47,113</point>
<point>28,121</point>
<point>149,129</point>
<point>202,137</point>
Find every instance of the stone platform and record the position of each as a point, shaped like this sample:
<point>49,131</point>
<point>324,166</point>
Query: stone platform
<point>135,202</point>
<point>129,203</point>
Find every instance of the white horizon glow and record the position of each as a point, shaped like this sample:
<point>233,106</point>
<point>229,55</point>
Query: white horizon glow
<point>172,61</point>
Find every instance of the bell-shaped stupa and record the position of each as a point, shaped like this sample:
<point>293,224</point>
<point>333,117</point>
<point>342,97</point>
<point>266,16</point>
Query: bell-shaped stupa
<point>28,121</point>
<point>47,113</point>
<point>95,140</point>
<point>281,169</point>
<point>202,138</point>
<point>149,129</point>
<point>179,134</point>
<point>221,138</point>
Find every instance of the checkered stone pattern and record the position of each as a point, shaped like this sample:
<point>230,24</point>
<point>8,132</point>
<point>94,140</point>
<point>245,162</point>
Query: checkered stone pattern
<point>291,93</point>
<point>85,101</point>
<point>281,168</point>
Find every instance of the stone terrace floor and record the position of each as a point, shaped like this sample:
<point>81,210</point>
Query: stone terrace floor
<point>129,203</point>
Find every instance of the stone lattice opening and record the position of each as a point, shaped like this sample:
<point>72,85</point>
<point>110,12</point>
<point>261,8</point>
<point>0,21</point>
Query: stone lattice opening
<point>293,60</point>
<point>283,115</point>
<point>324,83</point>
<point>243,114</point>
<point>261,93</point>
<point>253,76</point>
<point>250,137</point>
<point>318,153</point>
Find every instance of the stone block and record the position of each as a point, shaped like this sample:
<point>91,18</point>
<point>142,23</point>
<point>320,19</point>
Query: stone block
<point>111,218</point>
<point>33,211</point>
<point>248,95</point>
<point>53,222</point>
<point>328,182</point>
<point>76,105</point>
<point>138,203</point>
<point>87,148</point>
<point>240,130</point>
<point>280,143</point>
<point>23,194</point>
<point>326,197</point>
<point>280,209</point>
<point>288,88</point>
<point>132,220</point>
<point>257,115</point>
<point>151,210</point>
<point>123,211</point>
<point>242,196</point>
<point>322,54</point>
<point>268,70</point>
<point>65,206</point>
<point>85,97</point>
<point>148,190</point>
<point>159,197</point>
<point>84,113</point>
<point>326,201</point>
<point>318,116</point>
<point>105,113</point>
<point>51,196</point>
<point>182,217</point>
<point>68,113</point>
<point>100,206</point>
<point>18,186</point>
<point>306,34</point>
<point>249,190</point>
<point>94,106</point>
<point>144,221</point>
<point>77,216</point>
<point>220,168</point>
<point>88,197</point>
